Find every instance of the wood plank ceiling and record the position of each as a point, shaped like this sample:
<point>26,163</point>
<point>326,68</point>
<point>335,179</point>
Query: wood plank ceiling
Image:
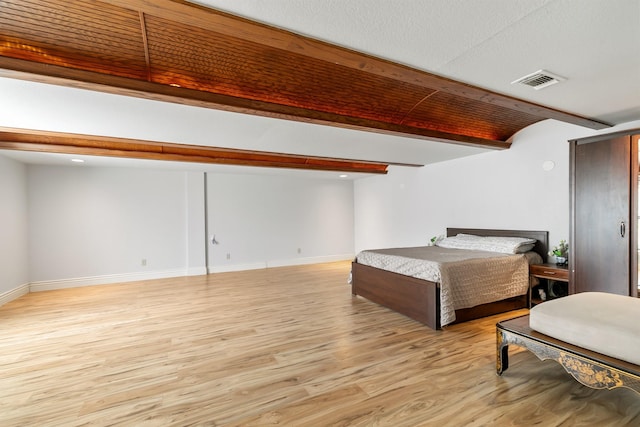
<point>175,51</point>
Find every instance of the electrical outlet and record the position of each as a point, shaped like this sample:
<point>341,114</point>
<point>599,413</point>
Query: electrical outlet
<point>228,256</point>
<point>299,250</point>
<point>143,262</point>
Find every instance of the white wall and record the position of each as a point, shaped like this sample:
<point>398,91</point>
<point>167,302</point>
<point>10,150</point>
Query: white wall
<point>93,225</point>
<point>85,225</point>
<point>262,220</point>
<point>13,229</point>
<point>500,189</point>
<point>89,222</point>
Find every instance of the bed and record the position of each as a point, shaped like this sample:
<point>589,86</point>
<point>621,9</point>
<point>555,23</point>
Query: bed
<point>420,299</point>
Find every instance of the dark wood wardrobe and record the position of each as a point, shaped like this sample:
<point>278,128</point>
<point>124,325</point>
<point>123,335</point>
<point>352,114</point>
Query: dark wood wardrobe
<point>603,235</point>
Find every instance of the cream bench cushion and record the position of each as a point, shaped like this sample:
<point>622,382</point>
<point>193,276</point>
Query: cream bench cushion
<point>605,323</point>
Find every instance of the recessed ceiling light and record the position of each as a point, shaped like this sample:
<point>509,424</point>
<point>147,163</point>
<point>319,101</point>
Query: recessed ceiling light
<point>77,160</point>
<point>344,176</point>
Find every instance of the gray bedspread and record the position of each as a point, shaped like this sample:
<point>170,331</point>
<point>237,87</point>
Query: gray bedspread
<point>467,278</point>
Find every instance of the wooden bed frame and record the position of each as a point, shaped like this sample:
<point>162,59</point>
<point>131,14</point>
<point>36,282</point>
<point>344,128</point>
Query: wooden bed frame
<point>420,299</point>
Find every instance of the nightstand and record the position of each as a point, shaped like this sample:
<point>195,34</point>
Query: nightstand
<point>554,281</point>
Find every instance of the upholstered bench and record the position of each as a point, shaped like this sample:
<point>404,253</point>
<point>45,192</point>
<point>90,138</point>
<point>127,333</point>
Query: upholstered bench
<point>594,336</point>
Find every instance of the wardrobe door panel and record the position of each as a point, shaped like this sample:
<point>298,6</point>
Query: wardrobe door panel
<point>600,250</point>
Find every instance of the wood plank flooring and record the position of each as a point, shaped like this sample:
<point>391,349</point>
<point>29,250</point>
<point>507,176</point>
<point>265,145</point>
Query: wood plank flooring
<point>283,346</point>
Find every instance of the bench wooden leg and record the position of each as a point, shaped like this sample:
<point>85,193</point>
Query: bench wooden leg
<point>502,352</point>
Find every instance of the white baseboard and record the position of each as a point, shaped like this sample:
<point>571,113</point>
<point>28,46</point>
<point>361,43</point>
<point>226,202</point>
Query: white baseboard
<point>280,263</point>
<point>310,260</point>
<point>49,285</point>
<point>197,271</point>
<point>236,267</point>
<point>16,293</point>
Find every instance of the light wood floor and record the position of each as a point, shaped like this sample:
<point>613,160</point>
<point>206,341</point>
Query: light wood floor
<point>285,346</point>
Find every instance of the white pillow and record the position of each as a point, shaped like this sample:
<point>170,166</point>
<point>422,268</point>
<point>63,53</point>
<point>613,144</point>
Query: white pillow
<point>505,245</point>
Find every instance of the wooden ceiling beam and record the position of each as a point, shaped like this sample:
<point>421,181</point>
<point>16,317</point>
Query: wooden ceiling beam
<point>68,143</point>
<point>175,51</point>
<point>70,77</point>
<point>255,32</point>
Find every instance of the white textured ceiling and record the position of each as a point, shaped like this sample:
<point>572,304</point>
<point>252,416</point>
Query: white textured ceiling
<point>595,44</point>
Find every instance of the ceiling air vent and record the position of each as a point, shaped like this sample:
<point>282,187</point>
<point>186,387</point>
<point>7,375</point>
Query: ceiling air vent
<point>540,79</point>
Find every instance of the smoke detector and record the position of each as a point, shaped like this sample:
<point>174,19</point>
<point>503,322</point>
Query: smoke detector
<point>539,80</point>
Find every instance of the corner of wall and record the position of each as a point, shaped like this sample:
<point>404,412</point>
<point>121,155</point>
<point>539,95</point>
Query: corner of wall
<point>14,294</point>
